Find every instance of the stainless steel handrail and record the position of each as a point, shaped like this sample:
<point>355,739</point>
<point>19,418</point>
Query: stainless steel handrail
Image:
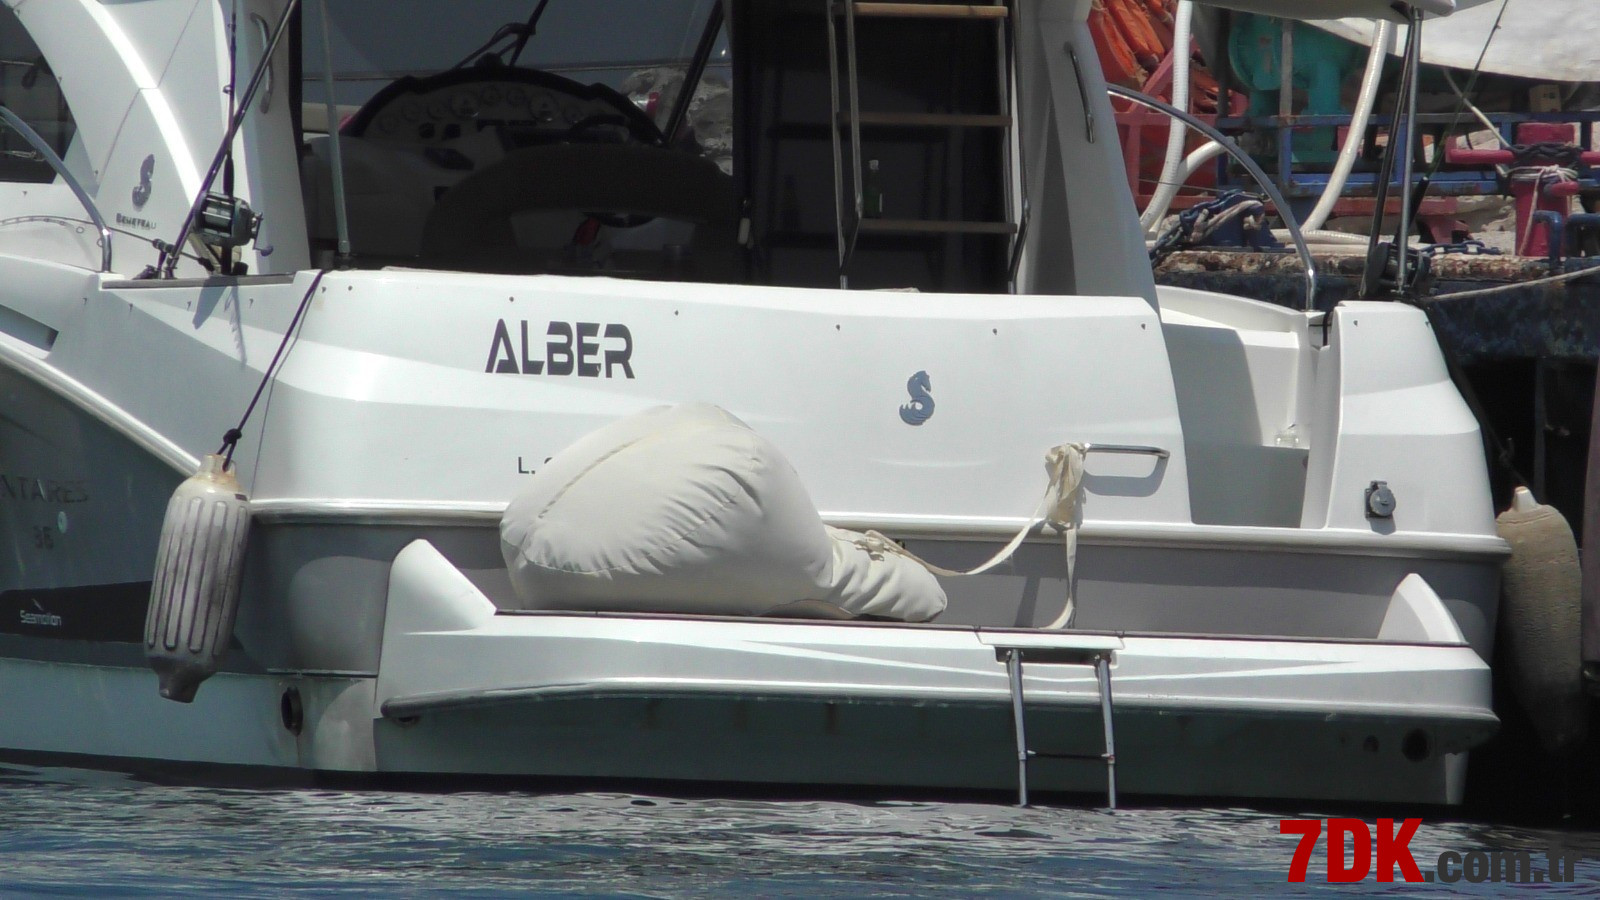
<point>1083,94</point>
<point>838,147</point>
<point>1256,172</point>
<point>1139,449</point>
<point>1014,136</point>
<point>43,149</point>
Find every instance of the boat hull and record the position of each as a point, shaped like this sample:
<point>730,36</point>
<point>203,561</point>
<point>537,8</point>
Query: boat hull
<point>916,747</point>
<point>814,743</point>
<point>335,672</point>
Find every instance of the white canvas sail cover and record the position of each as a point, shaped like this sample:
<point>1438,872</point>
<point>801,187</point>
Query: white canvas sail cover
<point>685,509</point>
<point>1557,40</point>
<point>1339,9</point>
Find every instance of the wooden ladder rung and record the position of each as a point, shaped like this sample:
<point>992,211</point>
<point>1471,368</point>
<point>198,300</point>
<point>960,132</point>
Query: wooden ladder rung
<point>929,120</point>
<point>929,10</point>
<point>937,226</point>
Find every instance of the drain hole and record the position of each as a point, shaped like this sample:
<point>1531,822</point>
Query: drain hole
<point>1416,746</point>
<point>291,710</point>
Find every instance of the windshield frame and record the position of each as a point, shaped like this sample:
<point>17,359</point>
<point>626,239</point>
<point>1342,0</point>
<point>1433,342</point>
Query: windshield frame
<point>679,114</point>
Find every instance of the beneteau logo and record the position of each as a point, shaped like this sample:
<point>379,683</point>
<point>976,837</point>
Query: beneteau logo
<point>920,409</point>
<point>133,222</point>
<point>41,617</point>
<point>141,191</point>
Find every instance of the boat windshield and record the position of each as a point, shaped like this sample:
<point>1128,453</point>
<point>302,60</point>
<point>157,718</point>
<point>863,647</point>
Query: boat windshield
<point>571,136</point>
<point>29,89</point>
<point>642,49</point>
<point>598,137</point>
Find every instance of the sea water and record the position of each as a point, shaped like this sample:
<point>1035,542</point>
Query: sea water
<point>67,832</point>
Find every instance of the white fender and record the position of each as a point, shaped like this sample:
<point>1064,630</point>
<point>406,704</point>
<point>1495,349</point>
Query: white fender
<point>1540,621</point>
<point>194,596</point>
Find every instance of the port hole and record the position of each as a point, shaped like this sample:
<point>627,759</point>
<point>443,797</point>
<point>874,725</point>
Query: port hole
<point>292,711</point>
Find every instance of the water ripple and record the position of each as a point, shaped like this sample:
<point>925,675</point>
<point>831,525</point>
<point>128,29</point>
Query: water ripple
<point>69,832</point>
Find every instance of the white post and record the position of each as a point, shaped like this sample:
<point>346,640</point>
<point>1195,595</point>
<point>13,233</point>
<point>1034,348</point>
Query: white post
<point>340,217</point>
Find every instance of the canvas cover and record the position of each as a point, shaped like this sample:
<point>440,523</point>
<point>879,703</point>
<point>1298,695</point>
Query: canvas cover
<point>685,509</point>
<point>1556,40</point>
<point>1338,9</point>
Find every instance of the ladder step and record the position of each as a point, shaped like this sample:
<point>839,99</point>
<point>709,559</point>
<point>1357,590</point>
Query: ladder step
<point>934,120</point>
<point>937,226</point>
<point>928,10</point>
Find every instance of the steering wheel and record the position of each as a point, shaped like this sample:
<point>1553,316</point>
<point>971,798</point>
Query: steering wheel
<point>575,134</point>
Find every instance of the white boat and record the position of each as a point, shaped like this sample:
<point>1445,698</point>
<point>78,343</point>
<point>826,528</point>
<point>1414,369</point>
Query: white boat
<point>1286,570</point>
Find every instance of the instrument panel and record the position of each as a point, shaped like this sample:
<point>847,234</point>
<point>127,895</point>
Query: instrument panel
<point>448,113</point>
<point>523,106</point>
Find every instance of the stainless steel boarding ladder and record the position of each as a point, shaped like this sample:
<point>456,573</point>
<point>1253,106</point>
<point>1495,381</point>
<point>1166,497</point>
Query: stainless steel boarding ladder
<point>1050,649</point>
<point>848,117</point>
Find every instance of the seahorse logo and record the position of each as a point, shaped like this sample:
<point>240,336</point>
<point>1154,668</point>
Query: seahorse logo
<point>920,409</point>
<point>141,192</point>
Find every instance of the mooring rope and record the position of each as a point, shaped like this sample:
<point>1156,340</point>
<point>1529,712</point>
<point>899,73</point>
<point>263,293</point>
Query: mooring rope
<point>230,440</point>
<point>1501,288</point>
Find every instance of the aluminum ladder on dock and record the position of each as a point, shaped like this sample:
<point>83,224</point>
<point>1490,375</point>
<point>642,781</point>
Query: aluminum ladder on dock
<point>1059,650</point>
<point>848,117</point>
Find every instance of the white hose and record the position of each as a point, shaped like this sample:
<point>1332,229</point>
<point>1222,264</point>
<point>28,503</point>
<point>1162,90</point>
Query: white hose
<point>1476,112</point>
<point>1177,132</point>
<point>1382,41</point>
<point>1191,164</point>
<point>1324,237</point>
<point>1211,150</point>
<point>1157,210</point>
